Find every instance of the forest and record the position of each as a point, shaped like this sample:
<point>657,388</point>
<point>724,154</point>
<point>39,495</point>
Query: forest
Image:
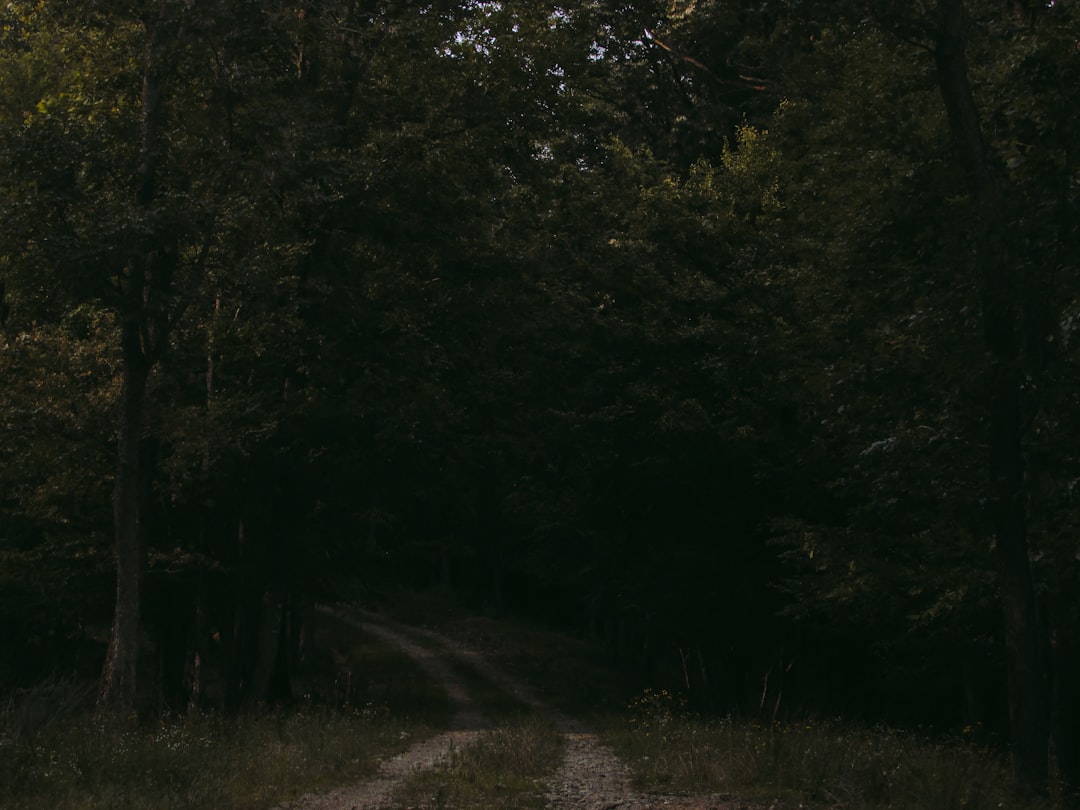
<point>738,336</point>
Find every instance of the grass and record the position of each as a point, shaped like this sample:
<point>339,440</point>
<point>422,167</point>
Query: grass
<point>810,764</point>
<point>819,765</point>
<point>250,762</point>
<point>62,759</point>
<point>505,768</point>
<point>367,702</point>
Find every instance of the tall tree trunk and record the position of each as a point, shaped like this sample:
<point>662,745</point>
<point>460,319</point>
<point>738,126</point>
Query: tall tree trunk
<point>144,324</point>
<point>269,677</point>
<point>1066,716</point>
<point>1028,700</point>
<point>119,676</point>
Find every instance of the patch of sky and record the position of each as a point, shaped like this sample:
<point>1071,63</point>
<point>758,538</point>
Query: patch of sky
<point>542,151</point>
<point>559,16</point>
<point>475,32</point>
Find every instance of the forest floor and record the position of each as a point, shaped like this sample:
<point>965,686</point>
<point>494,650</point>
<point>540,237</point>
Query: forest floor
<point>590,777</point>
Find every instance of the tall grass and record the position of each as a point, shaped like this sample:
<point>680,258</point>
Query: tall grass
<point>239,762</point>
<point>812,764</point>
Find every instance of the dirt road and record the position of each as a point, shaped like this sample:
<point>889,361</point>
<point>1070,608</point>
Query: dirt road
<point>591,776</point>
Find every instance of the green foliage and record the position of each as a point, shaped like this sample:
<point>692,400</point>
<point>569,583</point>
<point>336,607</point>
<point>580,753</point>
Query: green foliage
<point>675,328</point>
<point>54,500</point>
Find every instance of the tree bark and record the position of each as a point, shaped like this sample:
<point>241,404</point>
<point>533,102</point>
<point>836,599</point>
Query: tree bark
<point>269,678</point>
<point>1066,716</point>
<point>1028,699</point>
<point>119,676</point>
<point>144,324</point>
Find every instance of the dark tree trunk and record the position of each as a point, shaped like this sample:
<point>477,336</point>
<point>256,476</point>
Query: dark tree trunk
<point>445,570</point>
<point>237,636</point>
<point>119,676</point>
<point>270,677</point>
<point>236,641</point>
<point>145,282</point>
<point>1028,716</point>
<point>197,649</point>
<point>495,566</point>
<point>1066,716</point>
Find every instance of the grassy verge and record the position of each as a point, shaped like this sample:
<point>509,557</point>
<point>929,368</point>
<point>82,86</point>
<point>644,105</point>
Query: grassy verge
<point>799,765</point>
<point>505,768</point>
<point>248,762</point>
<point>253,760</point>
<point>816,765</point>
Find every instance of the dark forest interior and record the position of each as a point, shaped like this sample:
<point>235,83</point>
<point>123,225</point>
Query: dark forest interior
<point>738,339</point>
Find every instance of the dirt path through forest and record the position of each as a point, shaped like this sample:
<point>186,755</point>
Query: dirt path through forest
<point>591,776</point>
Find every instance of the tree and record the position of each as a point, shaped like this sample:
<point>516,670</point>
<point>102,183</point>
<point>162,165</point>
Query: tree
<point>1015,280</point>
<point>127,164</point>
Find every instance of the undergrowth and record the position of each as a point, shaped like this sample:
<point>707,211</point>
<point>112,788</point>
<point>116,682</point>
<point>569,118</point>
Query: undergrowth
<point>237,762</point>
<point>810,764</point>
<point>54,755</point>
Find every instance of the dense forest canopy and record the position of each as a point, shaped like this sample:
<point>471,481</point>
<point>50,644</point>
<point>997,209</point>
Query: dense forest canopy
<point>742,334</point>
